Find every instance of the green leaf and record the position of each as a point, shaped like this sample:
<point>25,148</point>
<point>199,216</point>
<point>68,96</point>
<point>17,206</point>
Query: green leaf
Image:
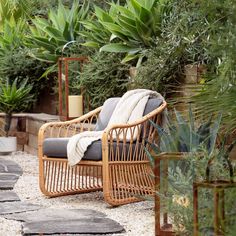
<point>136,6</point>
<point>42,42</point>
<point>150,4</point>
<point>118,47</point>
<point>91,44</point>
<point>130,28</point>
<point>129,57</point>
<point>53,32</point>
<point>214,132</point>
<point>102,15</point>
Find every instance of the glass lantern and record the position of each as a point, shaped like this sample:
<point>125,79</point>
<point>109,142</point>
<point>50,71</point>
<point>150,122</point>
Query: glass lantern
<point>71,103</point>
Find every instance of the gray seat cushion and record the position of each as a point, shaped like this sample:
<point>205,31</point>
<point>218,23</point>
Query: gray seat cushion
<point>57,147</point>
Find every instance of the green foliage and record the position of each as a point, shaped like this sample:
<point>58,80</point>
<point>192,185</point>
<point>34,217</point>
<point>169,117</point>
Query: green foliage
<point>185,40</point>
<point>132,27</point>
<point>103,77</point>
<point>14,98</point>
<point>14,10</point>
<point>95,32</point>
<point>13,36</point>
<point>17,63</point>
<point>14,57</point>
<point>178,200</point>
<point>203,161</point>
<point>50,36</point>
<point>180,135</point>
<point>220,91</point>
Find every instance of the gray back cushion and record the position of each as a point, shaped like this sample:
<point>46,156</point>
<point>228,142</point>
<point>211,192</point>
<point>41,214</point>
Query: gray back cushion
<point>152,104</point>
<point>106,112</point>
<point>110,104</point>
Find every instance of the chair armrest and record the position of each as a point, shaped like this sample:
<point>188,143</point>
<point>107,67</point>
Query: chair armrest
<point>133,142</point>
<point>68,128</point>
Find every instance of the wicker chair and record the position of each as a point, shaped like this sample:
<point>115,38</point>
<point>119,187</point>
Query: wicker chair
<point>118,166</point>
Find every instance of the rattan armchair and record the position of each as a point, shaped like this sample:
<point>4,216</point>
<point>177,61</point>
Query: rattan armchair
<point>123,173</point>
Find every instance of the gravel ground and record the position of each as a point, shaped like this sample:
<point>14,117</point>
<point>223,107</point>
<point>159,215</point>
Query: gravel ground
<point>137,218</point>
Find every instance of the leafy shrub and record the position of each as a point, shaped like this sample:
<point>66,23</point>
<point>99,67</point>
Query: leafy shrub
<point>132,27</point>
<point>49,36</point>
<point>184,40</point>
<point>103,77</point>
<point>15,60</point>
<point>18,64</point>
<point>14,97</point>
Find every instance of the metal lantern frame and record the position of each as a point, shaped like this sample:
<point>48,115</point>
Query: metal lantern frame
<point>164,229</point>
<point>63,62</point>
<point>218,188</point>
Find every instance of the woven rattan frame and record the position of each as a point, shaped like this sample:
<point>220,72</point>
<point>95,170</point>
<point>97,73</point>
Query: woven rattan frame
<point>124,174</point>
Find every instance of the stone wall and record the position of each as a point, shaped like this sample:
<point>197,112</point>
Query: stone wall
<point>25,127</point>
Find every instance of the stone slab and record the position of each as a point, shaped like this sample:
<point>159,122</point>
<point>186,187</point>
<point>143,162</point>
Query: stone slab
<point>8,166</point>
<point>58,214</point>
<point>82,226</point>
<point>7,185</point>
<point>8,177</point>
<point>8,196</point>
<point>14,207</point>
<point>7,181</point>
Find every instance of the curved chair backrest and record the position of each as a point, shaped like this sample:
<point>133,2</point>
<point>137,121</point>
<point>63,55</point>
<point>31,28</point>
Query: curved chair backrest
<point>110,104</point>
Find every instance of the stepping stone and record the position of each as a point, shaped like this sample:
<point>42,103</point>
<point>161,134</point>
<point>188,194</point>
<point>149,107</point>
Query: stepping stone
<point>8,197</point>
<point>7,181</point>
<point>81,226</point>
<point>7,166</point>
<point>14,207</point>
<point>55,214</point>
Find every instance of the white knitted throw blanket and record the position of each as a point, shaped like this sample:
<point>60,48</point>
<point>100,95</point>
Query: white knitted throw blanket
<point>129,108</point>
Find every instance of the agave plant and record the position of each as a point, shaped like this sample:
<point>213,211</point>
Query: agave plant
<point>14,98</point>
<point>132,27</point>
<point>49,36</point>
<point>184,136</point>
<point>12,36</point>
<point>12,10</point>
<point>95,33</point>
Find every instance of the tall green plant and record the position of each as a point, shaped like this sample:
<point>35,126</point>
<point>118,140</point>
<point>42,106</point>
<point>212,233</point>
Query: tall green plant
<point>50,36</point>
<point>102,77</point>
<point>14,98</point>
<point>203,160</point>
<point>219,93</point>
<point>186,33</point>
<point>95,33</point>
<point>181,135</point>
<point>14,10</point>
<point>132,27</point>
<point>13,36</point>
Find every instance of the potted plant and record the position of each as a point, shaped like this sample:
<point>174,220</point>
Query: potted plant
<point>13,98</point>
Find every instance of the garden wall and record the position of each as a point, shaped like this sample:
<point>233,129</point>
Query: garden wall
<point>25,127</point>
